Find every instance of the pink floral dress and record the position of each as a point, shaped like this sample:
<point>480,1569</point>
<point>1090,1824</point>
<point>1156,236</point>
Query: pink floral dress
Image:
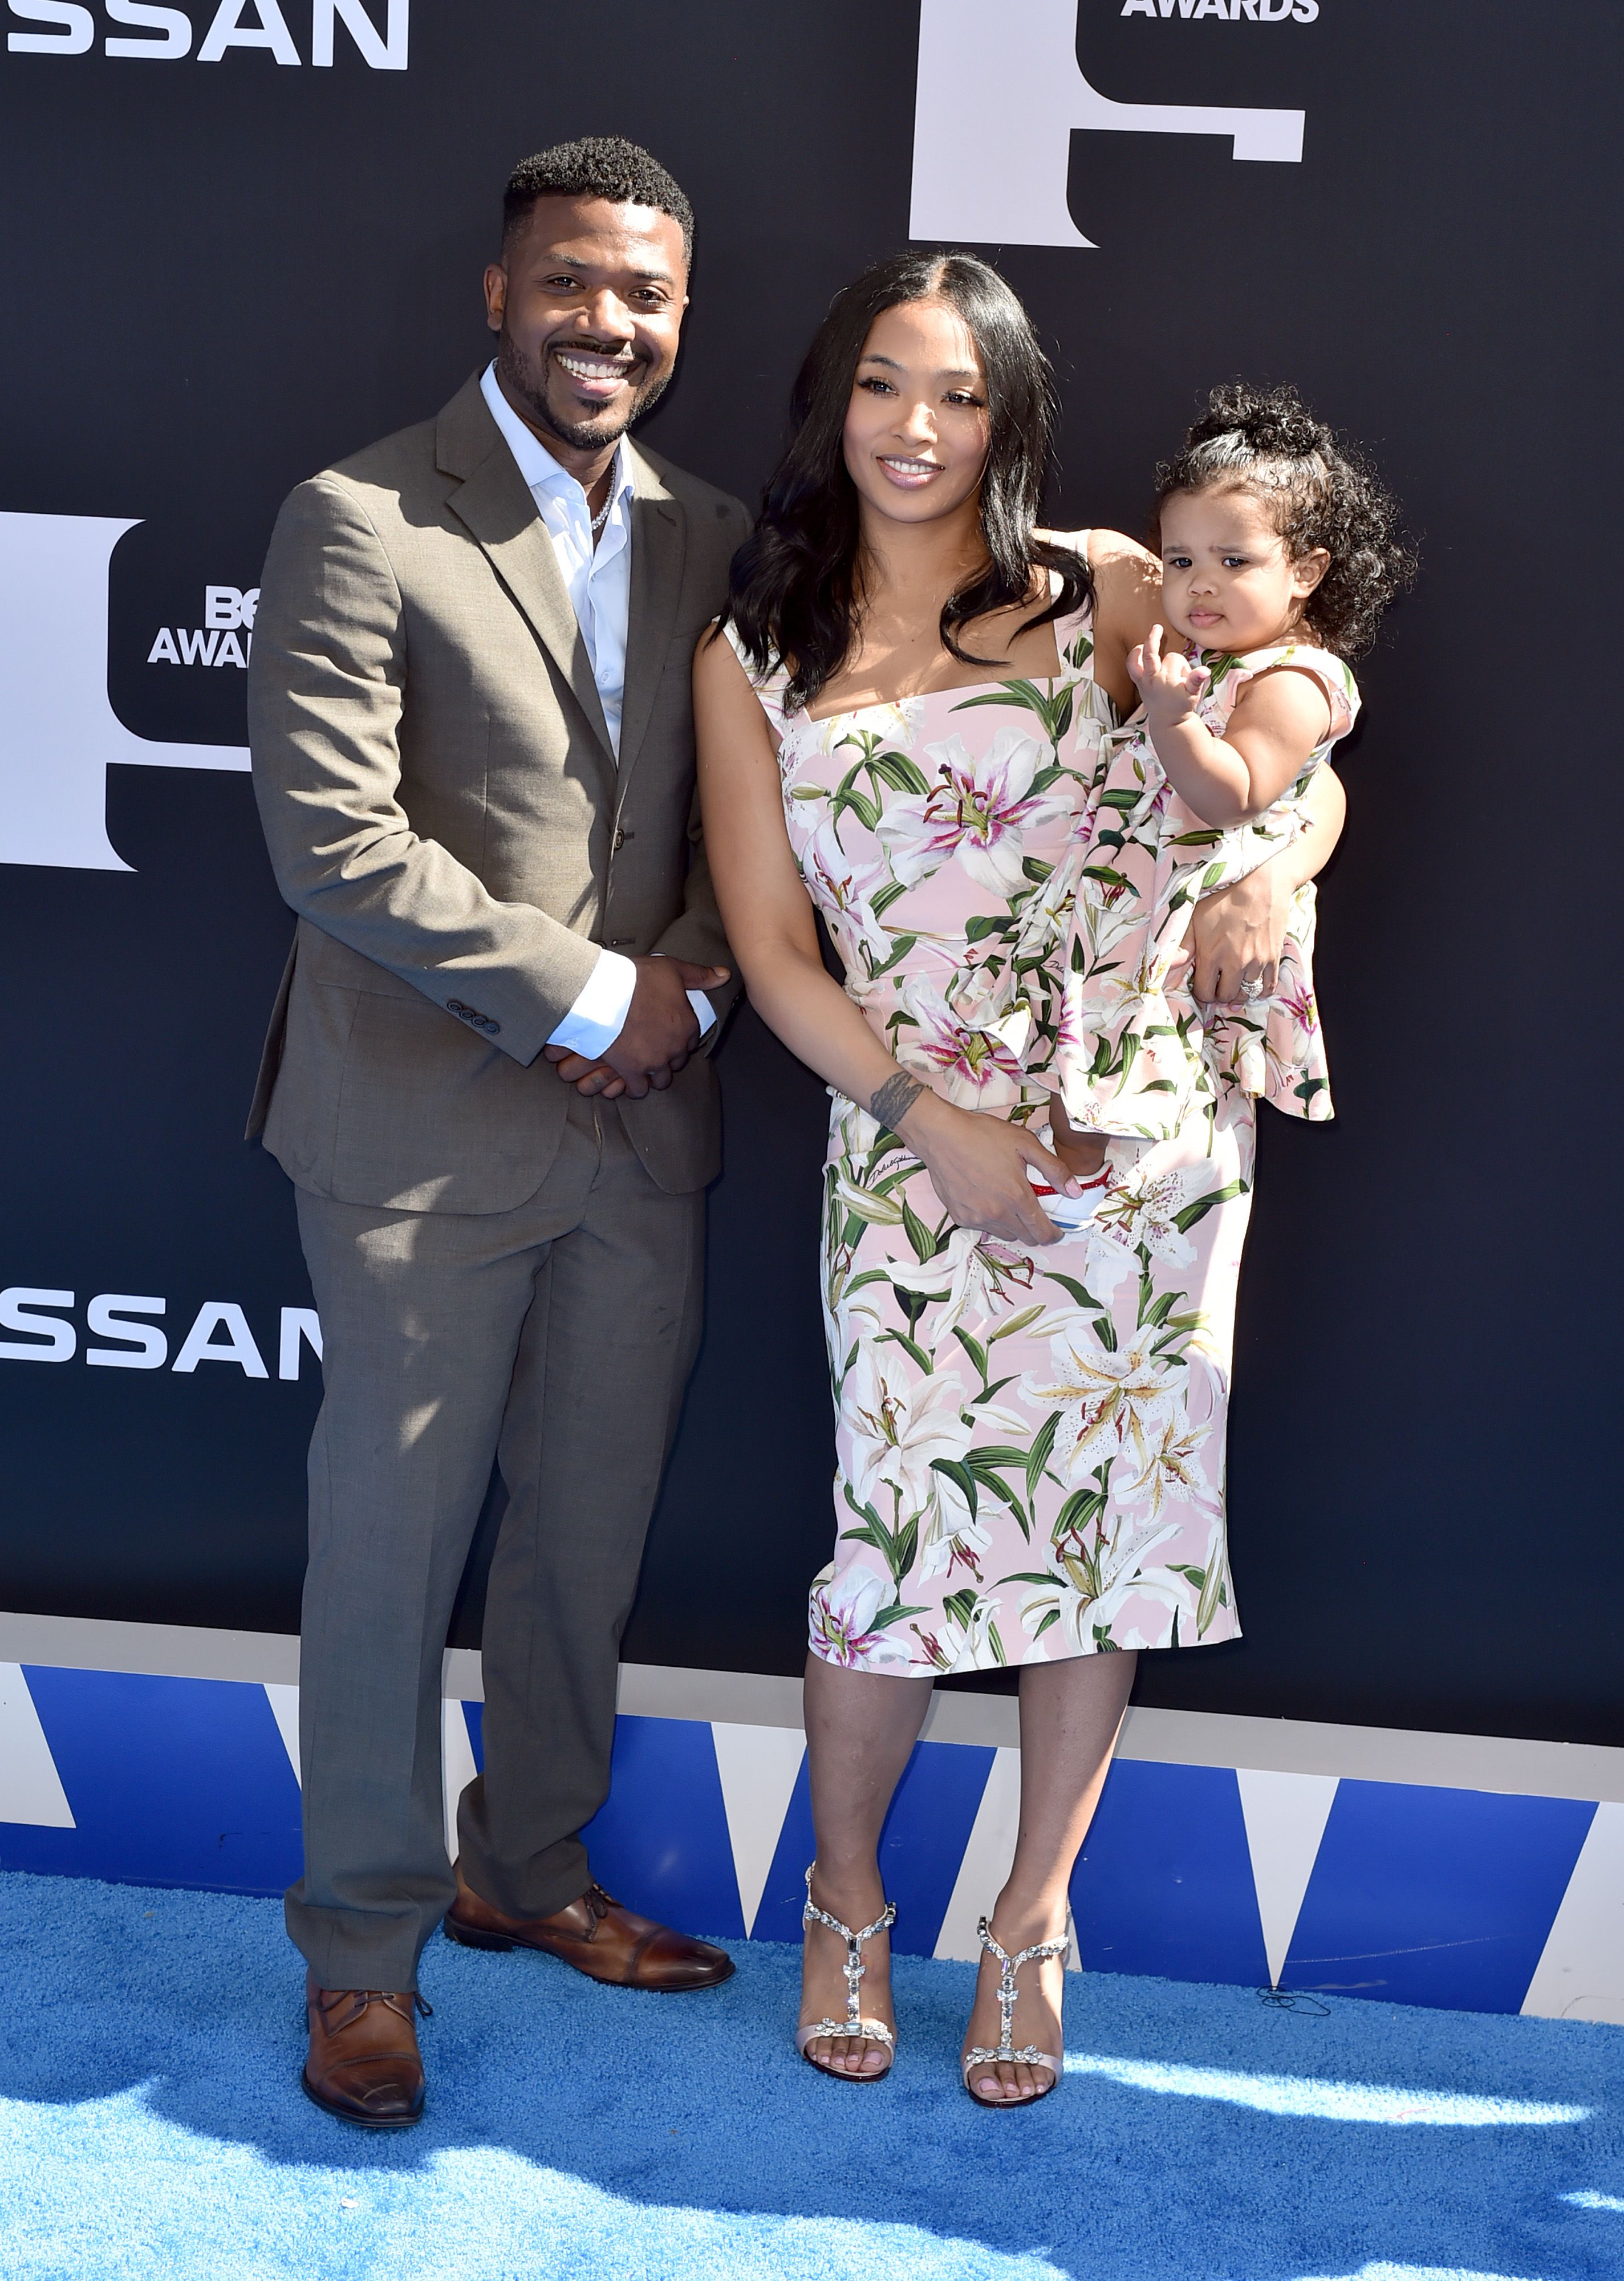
<point>1030,1442</point>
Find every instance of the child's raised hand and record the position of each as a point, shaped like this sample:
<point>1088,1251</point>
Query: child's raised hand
<point>1168,686</point>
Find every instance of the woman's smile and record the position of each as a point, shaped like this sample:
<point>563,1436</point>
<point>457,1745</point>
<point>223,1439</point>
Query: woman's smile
<point>911,474</point>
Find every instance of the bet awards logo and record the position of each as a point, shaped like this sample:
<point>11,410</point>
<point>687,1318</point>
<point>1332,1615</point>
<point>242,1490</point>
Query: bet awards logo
<point>225,637</point>
<point>995,116</point>
<point>165,34</point>
<point>58,732</point>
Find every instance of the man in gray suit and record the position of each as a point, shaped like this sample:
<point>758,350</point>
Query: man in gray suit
<point>473,750</point>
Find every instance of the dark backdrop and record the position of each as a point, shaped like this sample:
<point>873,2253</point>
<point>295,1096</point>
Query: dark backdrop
<point>219,277</point>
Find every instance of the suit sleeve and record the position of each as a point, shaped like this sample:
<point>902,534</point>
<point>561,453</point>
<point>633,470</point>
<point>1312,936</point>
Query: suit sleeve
<point>326,688</point>
<point>696,933</point>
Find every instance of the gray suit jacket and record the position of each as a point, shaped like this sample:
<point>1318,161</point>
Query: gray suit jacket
<point>445,814</point>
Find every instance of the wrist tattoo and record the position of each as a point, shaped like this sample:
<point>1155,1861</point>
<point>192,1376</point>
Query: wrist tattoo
<point>891,1101</point>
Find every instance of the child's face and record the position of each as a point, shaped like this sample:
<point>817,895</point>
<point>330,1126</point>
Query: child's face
<point>1228,582</point>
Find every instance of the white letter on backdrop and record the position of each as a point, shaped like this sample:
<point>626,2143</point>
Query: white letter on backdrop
<point>216,1314</point>
<point>994,121</point>
<point>227,32</point>
<point>106,1318</point>
<point>296,1323</point>
<point>18,1314</point>
<point>75,37</point>
<point>223,605</point>
<point>174,25</point>
<point>387,53</point>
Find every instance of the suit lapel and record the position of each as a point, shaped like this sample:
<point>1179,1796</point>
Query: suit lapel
<point>659,543</point>
<point>493,502</point>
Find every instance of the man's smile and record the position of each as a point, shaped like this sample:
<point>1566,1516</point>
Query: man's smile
<point>596,374</point>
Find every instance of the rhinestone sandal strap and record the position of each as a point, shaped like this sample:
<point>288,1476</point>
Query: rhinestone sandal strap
<point>1009,1995</point>
<point>813,1915</point>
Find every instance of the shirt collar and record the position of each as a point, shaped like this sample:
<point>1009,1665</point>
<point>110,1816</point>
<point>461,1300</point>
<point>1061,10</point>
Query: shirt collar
<point>536,465</point>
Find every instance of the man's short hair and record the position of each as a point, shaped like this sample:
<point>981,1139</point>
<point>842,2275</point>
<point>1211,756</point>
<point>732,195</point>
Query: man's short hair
<point>597,167</point>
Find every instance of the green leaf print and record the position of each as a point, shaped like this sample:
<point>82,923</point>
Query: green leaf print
<point>1053,1617</point>
<point>904,944</point>
<point>1069,1284</point>
<point>894,1614</point>
<point>962,1480</point>
<point>884,897</point>
<point>1185,1220</point>
<point>1211,1594</point>
<point>866,810</point>
<point>974,1349</point>
<point>897,771</point>
<point>916,1353</point>
<point>1053,711</point>
<point>1043,1440</point>
<point>924,1243</point>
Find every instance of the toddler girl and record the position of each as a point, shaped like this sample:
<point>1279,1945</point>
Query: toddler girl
<point>1280,553</point>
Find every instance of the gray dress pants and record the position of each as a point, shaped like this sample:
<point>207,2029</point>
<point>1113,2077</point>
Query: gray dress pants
<point>556,1339</point>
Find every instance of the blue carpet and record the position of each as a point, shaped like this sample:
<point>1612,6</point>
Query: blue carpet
<point>151,2125</point>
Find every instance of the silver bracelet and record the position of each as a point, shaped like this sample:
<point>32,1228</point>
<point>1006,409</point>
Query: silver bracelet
<point>890,1102</point>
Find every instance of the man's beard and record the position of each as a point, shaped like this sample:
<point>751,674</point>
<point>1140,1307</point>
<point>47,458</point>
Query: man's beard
<point>580,434</point>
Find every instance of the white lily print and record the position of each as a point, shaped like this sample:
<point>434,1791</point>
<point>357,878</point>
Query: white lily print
<point>1088,1596</point>
<point>973,1060</point>
<point>1145,1208</point>
<point>950,1535</point>
<point>844,890</point>
<point>843,1609</point>
<point>900,1425</point>
<point>977,815</point>
<point>1108,1401</point>
<point>976,1278</point>
<point>1170,1470</point>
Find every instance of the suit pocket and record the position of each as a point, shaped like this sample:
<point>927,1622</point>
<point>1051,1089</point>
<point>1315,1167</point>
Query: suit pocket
<point>431,1118</point>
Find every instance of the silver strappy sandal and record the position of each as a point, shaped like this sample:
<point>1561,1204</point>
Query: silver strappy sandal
<point>1028,2056</point>
<point>854,2024</point>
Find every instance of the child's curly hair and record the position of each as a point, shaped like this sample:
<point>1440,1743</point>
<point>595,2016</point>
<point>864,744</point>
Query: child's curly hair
<point>1323,493</point>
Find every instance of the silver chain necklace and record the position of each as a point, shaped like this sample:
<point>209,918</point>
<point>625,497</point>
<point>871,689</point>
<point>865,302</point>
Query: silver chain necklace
<point>602,517</point>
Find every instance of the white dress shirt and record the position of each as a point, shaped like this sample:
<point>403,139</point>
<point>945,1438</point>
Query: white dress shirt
<point>597,580</point>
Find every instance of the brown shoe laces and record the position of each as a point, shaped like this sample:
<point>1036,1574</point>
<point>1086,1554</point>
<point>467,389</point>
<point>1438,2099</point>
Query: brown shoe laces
<point>359,1998</point>
<point>598,1906</point>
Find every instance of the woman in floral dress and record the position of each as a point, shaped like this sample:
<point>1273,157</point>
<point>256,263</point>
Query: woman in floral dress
<point>908,730</point>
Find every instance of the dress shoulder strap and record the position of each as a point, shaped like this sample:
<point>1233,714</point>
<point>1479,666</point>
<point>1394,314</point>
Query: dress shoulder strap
<point>769,686</point>
<point>1074,629</point>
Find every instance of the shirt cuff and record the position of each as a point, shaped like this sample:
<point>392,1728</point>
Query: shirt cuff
<point>598,1014</point>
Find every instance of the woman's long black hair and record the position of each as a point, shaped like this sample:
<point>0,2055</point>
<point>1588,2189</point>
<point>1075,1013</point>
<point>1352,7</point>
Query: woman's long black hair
<point>794,589</point>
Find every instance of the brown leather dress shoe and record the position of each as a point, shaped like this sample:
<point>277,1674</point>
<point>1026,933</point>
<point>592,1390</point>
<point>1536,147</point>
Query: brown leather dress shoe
<point>364,2062</point>
<point>598,1937</point>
